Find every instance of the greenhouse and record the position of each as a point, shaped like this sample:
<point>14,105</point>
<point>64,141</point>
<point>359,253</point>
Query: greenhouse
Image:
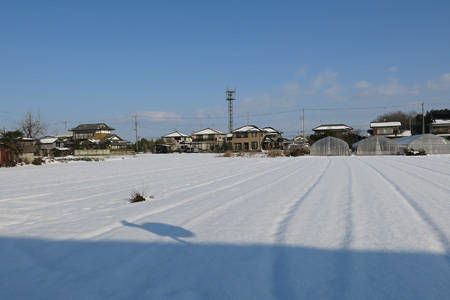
<point>330,146</point>
<point>430,143</point>
<point>376,145</point>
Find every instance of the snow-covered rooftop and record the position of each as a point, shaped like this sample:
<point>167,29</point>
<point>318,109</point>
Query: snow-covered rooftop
<point>208,131</point>
<point>48,140</point>
<point>271,130</point>
<point>332,127</point>
<point>176,134</point>
<point>441,122</point>
<point>248,128</point>
<point>385,124</point>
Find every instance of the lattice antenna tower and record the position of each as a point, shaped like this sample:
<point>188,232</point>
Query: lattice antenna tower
<point>230,98</point>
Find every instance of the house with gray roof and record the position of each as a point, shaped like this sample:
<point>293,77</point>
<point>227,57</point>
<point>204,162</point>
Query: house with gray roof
<point>88,131</point>
<point>208,139</point>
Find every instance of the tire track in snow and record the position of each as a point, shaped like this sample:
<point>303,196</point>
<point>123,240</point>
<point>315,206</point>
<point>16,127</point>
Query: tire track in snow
<point>283,224</point>
<point>343,259</point>
<point>244,196</point>
<point>281,284</point>
<point>426,218</point>
<point>417,166</point>
<point>443,187</point>
<point>189,201</point>
<point>52,183</point>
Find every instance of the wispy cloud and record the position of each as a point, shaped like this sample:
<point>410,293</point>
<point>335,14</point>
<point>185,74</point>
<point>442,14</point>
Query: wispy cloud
<point>158,115</point>
<point>391,88</point>
<point>393,69</point>
<point>441,83</point>
<point>283,97</point>
<point>362,85</point>
<point>326,78</point>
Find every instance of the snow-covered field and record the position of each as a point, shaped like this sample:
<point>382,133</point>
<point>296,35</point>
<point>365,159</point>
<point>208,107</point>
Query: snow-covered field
<point>227,228</point>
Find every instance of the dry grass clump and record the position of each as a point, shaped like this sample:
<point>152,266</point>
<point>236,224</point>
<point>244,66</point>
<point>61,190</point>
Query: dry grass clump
<point>275,153</point>
<point>139,194</point>
<point>228,154</point>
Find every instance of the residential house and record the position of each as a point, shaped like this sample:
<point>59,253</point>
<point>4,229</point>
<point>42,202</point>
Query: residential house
<point>441,127</point>
<point>273,139</point>
<point>99,135</point>
<point>339,130</point>
<point>251,137</point>
<point>208,139</point>
<point>388,129</point>
<point>115,142</point>
<point>177,140</point>
<point>49,144</point>
<point>85,132</point>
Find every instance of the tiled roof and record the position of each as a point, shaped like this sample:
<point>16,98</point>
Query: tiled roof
<point>96,126</point>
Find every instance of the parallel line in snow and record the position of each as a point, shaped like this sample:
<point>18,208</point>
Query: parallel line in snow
<point>282,284</point>
<point>427,219</point>
<point>189,201</point>
<point>418,167</point>
<point>282,225</point>
<point>251,192</point>
<point>425,178</point>
<point>41,184</point>
<point>343,259</point>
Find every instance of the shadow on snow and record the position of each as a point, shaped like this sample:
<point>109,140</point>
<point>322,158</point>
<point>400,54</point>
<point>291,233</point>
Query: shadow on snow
<point>46,269</point>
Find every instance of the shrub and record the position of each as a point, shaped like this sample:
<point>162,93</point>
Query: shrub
<point>139,194</point>
<point>274,153</point>
<point>297,151</point>
<point>37,161</point>
<point>414,152</point>
<point>228,154</point>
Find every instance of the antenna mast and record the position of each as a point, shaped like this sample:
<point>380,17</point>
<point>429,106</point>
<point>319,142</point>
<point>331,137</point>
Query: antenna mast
<point>230,98</point>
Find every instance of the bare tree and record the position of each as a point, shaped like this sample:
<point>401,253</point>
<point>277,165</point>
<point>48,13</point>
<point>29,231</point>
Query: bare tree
<point>32,126</point>
<point>406,119</point>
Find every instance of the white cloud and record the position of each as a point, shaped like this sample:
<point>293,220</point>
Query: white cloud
<point>391,88</point>
<point>290,89</point>
<point>393,69</point>
<point>441,83</point>
<point>158,115</point>
<point>362,85</point>
<point>394,88</point>
<point>334,90</point>
<point>324,79</point>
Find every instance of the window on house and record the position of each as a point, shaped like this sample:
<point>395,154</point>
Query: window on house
<point>254,134</point>
<point>238,146</point>
<point>385,131</point>
<point>254,145</point>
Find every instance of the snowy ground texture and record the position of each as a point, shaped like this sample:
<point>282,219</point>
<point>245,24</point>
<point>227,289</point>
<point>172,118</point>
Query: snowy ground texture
<point>227,228</point>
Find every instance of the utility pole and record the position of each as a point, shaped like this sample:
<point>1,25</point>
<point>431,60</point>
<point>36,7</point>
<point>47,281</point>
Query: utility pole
<point>136,129</point>
<point>423,118</point>
<point>304,138</point>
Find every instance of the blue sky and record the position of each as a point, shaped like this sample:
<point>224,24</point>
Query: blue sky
<point>170,63</point>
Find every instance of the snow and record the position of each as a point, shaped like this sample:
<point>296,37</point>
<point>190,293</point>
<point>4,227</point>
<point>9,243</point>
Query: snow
<point>208,131</point>
<point>227,228</point>
<point>385,124</point>
<point>332,127</point>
